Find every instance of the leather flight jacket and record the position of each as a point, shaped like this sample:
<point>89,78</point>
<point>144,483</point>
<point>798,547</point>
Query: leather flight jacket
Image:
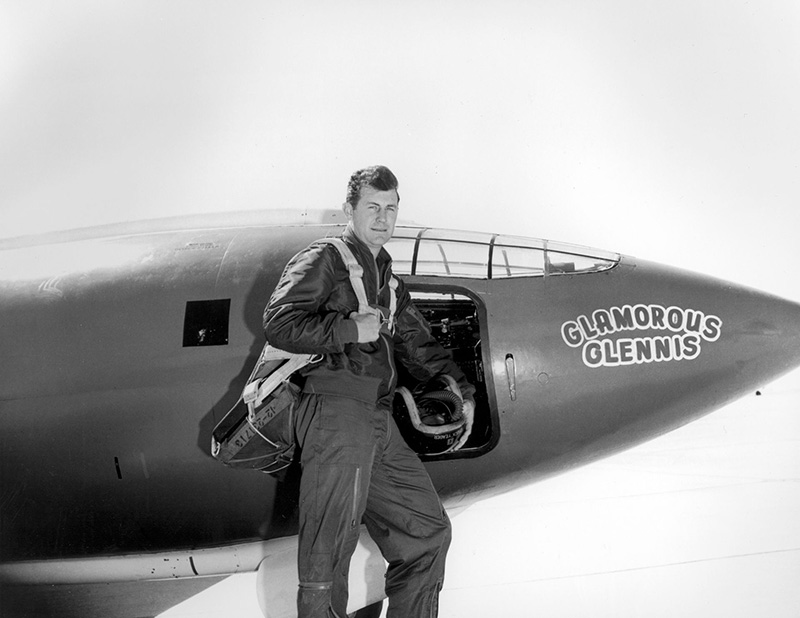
<point>309,311</point>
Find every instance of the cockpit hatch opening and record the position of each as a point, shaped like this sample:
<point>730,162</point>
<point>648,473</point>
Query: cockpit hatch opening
<point>455,321</point>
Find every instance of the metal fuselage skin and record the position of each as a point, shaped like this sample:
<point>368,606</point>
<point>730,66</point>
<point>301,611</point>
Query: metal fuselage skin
<point>106,413</point>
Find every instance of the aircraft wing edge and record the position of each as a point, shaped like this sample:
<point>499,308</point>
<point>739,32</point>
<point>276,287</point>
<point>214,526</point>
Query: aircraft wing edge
<point>207,562</point>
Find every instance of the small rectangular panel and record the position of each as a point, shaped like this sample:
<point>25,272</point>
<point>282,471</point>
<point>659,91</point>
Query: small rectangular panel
<point>206,322</point>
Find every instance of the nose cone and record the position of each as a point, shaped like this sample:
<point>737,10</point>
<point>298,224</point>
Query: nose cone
<point>726,340</point>
<point>641,350</point>
<point>763,334</point>
<point>758,334</point>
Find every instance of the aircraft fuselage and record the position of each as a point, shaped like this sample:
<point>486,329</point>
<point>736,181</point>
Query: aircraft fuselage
<point>120,354</point>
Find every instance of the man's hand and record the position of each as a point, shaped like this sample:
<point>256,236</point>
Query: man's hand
<point>369,326</point>
<point>469,417</point>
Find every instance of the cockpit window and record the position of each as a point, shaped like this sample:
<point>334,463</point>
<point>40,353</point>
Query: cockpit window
<point>517,261</point>
<point>451,258</point>
<point>447,253</point>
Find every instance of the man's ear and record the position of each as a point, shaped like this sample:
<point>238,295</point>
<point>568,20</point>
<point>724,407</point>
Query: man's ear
<point>347,208</point>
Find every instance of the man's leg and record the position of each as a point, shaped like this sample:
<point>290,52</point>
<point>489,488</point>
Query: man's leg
<point>337,452</point>
<point>406,519</point>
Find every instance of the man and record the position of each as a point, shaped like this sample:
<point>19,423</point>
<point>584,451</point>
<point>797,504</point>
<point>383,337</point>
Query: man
<point>354,461</point>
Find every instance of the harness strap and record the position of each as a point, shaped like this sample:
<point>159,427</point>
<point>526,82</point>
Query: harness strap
<point>255,392</point>
<point>356,280</point>
<point>355,269</point>
<point>393,283</point>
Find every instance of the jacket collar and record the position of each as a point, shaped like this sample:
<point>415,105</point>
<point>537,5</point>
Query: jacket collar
<point>363,250</point>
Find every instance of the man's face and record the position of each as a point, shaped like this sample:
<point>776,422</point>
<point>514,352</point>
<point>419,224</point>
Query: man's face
<point>374,217</point>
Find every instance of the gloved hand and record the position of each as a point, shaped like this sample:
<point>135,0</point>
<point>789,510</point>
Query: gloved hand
<point>469,417</point>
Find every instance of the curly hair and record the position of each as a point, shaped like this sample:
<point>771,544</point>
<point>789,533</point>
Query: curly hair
<point>378,177</point>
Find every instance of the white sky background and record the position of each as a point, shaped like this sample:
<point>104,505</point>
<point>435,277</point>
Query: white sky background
<point>665,130</point>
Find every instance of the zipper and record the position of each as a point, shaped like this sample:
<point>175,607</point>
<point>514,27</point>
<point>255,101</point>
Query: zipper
<point>377,282</point>
<point>356,492</point>
<point>390,358</point>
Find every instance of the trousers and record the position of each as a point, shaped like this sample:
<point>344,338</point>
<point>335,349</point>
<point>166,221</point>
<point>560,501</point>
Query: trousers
<point>356,466</point>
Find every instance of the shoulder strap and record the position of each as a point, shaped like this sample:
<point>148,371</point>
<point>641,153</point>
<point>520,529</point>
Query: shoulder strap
<point>273,367</point>
<point>393,283</point>
<point>355,270</point>
<point>356,279</point>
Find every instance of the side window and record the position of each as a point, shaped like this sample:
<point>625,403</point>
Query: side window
<point>562,262</point>
<point>508,261</point>
<point>530,257</point>
<point>402,252</point>
<point>206,322</point>
<point>452,259</point>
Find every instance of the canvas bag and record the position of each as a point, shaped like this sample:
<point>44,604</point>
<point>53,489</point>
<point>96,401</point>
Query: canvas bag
<point>258,432</point>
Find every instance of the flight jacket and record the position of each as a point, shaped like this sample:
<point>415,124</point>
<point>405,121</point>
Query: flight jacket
<point>308,313</point>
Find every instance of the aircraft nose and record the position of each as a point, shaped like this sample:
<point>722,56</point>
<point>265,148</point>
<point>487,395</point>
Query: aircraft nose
<point>764,332</point>
<point>737,338</point>
<point>641,350</point>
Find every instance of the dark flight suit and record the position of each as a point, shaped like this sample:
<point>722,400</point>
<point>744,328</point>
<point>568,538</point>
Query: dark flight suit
<point>355,462</point>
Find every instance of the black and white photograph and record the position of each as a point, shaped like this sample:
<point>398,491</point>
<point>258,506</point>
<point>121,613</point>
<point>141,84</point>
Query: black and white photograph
<point>380,309</point>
